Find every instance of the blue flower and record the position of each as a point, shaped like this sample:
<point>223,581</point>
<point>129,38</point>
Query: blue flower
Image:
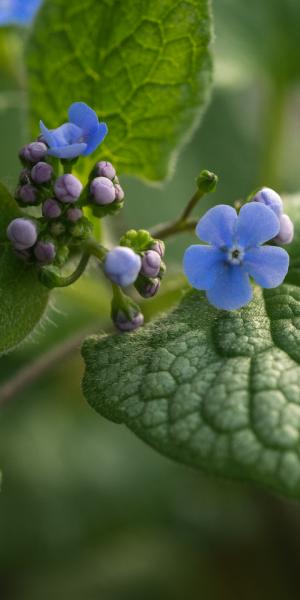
<point>223,268</point>
<point>80,136</point>
<point>17,11</point>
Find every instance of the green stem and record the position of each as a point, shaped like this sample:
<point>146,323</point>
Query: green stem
<point>95,249</point>
<point>166,230</point>
<point>273,127</point>
<point>65,281</point>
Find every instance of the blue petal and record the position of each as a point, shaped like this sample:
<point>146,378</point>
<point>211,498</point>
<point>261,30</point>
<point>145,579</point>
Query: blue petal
<point>201,265</point>
<point>84,117</point>
<point>66,134</point>
<point>268,265</point>
<point>94,140</point>
<point>217,226</point>
<point>50,139</point>
<point>71,151</point>
<point>256,224</point>
<point>232,289</point>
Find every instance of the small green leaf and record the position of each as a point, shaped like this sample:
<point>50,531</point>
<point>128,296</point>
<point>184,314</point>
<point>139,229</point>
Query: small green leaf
<point>144,66</point>
<point>22,298</point>
<point>216,390</point>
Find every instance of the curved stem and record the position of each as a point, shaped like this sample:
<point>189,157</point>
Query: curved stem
<point>65,281</point>
<point>173,228</point>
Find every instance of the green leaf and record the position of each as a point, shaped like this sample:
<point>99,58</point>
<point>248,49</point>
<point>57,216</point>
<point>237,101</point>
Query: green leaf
<point>144,66</point>
<point>22,298</point>
<point>216,390</point>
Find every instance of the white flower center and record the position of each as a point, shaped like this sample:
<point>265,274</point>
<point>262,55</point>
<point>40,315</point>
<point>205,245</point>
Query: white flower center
<point>235,255</point>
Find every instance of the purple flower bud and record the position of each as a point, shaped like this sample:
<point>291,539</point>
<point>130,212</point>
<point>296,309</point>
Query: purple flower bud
<point>103,190</point>
<point>34,152</point>
<point>124,323</point>
<point>67,188</point>
<point>159,247</point>
<point>74,214</point>
<point>120,195</point>
<point>51,209</point>
<point>105,169</point>
<point>149,288</point>
<point>122,265</point>
<point>151,262</point>
<point>22,233</point>
<point>286,231</point>
<point>270,198</point>
<point>41,172</point>
<point>28,194</point>
<point>45,252</point>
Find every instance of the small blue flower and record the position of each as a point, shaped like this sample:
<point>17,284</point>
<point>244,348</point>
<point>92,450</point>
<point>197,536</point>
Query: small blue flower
<point>80,136</point>
<point>223,268</point>
<point>18,11</point>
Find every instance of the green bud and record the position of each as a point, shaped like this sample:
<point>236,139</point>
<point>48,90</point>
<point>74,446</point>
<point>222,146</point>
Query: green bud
<point>138,240</point>
<point>103,210</point>
<point>81,229</point>
<point>57,229</point>
<point>62,255</point>
<point>206,182</point>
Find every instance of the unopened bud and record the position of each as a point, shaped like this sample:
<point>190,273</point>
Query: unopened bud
<point>270,198</point>
<point>44,252</point>
<point>120,195</point>
<point>105,169</point>
<point>74,214</point>
<point>22,233</point>
<point>147,287</point>
<point>286,231</point>
<point>102,190</point>
<point>207,182</point>
<point>51,209</point>
<point>41,173</point>
<point>33,152</point>
<point>122,266</point>
<point>28,194</point>
<point>151,262</point>
<point>67,188</point>
<point>124,323</point>
<point>159,247</point>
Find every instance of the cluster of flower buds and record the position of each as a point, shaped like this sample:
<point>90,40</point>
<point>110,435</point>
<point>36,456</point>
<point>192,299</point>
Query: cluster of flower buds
<point>104,192</point>
<point>46,239</point>
<point>138,261</point>
<point>271,199</point>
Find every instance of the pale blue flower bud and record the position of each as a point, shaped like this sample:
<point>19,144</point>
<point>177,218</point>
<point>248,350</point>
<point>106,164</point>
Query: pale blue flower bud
<point>270,198</point>
<point>102,190</point>
<point>120,195</point>
<point>22,233</point>
<point>67,188</point>
<point>286,231</point>
<point>159,247</point>
<point>122,266</point>
<point>105,169</point>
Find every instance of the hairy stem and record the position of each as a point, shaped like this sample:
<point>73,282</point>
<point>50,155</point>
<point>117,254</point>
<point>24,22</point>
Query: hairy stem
<point>34,370</point>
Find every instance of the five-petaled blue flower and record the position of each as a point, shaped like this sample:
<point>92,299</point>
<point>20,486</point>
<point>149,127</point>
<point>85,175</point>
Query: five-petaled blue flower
<point>80,136</point>
<point>223,269</point>
<point>17,11</point>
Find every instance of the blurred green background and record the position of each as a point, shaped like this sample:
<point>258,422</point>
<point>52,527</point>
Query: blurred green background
<point>87,511</point>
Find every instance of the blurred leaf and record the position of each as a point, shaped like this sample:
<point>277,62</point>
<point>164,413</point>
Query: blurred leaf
<point>216,390</point>
<point>262,37</point>
<point>292,208</point>
<point>23,299</point>
<point>143,66</point>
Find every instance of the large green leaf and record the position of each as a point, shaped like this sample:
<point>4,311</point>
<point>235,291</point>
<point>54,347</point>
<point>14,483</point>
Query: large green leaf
<point>22,298</point>
<point>216,390</point>
<point>143,65</point>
